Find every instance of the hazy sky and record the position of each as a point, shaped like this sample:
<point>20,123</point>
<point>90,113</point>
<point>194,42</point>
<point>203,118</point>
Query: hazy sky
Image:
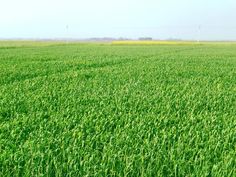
<point>159,19</point>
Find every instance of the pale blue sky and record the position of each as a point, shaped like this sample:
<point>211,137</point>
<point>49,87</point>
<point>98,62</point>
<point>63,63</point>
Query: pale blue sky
<point>160,19</point>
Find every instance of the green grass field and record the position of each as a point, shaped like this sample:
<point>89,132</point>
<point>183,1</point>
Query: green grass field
<point>117,110</point>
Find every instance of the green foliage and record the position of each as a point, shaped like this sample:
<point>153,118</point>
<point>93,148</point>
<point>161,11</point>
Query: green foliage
<point>106,110</point>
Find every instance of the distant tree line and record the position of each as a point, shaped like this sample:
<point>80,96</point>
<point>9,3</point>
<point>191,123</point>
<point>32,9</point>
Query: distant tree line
<point>145,39</point>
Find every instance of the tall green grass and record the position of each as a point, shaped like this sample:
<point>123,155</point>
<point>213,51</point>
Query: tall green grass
<point>105,110</point>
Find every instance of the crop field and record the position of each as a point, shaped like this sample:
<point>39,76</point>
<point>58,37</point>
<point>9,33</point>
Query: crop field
<point>85,109</point>
<point>154,42</point>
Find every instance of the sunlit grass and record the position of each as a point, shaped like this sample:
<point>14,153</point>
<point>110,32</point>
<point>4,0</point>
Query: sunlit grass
<point>117,110</point>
